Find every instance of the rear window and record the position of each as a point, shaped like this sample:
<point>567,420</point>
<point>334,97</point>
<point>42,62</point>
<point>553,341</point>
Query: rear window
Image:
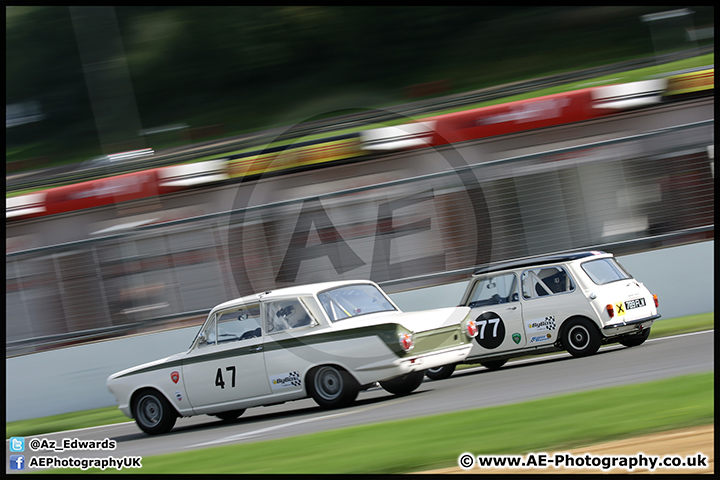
<point>604,270</point>
<point>353,300</point>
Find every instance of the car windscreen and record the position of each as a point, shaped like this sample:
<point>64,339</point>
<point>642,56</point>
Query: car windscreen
<point>353,300</point>
<point>604,270</point>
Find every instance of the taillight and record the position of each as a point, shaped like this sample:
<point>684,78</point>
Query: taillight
<point>610,310</point>
<point>406,341</point>
<point>471,328</point>
<point>655,299</point>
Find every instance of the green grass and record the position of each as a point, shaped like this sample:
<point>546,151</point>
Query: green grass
<point>426,443</point>
<point>691,323</point>
<point>620,77</point>
<point>65,421</point>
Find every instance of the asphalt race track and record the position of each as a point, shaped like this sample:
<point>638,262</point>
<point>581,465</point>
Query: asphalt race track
<point>517,381</point>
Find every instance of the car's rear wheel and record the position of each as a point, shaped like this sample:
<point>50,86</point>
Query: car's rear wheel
<point>494,364</point>
<point>231,415</point>
<point>581,337</point>
<point>153,413</point>
<point>635,340</point>
<point>438,373</point>
<point>404,384</point>
<point>333,387</point>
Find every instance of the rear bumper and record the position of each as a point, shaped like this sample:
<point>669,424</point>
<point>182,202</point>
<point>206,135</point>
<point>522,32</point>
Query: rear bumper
<point>631,322</point>
<point>385,370</point>
<point>436,359</point>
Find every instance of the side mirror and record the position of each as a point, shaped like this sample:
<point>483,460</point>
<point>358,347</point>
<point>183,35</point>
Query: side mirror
<point>202,339</point>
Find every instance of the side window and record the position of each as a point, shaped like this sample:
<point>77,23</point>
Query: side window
<point>282,315</point>
<point>241,323</point>
<point>209,333</point>
<point>540,282</point>
<point>495,290</point>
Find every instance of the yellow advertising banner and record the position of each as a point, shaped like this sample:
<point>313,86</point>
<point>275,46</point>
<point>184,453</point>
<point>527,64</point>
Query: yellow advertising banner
<point>691,82</point>
<point>294,156</point>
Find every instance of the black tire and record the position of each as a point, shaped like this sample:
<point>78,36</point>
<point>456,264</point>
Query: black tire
<point>494,364</point>
<point>403,384</point>
<point>229,416</point>
<point>439,373</point>
<point>153,413</point>
<point>332,387</point>
<point>581,337</point>
<point>635,340</point>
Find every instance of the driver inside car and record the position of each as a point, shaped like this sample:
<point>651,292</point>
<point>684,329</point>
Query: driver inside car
<point>290,315</point>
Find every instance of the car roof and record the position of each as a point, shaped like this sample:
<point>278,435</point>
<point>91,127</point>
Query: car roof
<point>295,291</point>
<point>540,260</point>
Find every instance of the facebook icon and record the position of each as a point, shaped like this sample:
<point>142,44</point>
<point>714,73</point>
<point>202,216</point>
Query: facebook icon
<point>17,462</point>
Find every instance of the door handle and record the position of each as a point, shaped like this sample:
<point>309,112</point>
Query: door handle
<point>256,349</point>
<point>512,308</point>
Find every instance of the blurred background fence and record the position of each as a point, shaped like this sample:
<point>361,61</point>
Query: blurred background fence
<point>624,195</point>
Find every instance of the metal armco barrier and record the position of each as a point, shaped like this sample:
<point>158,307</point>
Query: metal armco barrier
<point>630,193</point>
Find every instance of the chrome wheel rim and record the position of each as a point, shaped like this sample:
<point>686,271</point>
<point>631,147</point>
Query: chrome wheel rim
<point>579,337</point>
<point>149,410</point>
<point>328,383</point>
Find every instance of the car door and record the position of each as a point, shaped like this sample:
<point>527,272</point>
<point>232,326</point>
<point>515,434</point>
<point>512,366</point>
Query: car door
<point>289,347</point>
<point>549,295</point>
<point>229,365</point>
<point>497,310</point>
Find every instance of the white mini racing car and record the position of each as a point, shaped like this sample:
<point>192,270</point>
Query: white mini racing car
<point>327,341</point>
<point>574,302</point>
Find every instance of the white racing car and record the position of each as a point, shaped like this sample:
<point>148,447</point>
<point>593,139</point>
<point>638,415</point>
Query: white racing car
<point>574,302</point>
<point>327,341</point>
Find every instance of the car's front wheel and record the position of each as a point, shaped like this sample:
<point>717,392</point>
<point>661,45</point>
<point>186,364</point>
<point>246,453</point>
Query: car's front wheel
<point>635,340</point>
<point>153,413</point>
<point>333,387</point>
<point>581,337</point>
<point>403,384</point>
<point>438,373</point>
<point>231,415</point>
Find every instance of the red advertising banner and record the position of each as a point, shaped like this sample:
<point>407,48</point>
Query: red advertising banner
<point>101,192</point>
<point>513,117</point>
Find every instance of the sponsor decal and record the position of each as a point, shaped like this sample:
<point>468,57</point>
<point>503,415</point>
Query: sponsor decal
<point>291,379</point>
<point>178,395</point>
<point>540,324</point>
<point>620,308</point>
<point>175,376</point>
<point>539,338</point>
<point>516,337</point>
